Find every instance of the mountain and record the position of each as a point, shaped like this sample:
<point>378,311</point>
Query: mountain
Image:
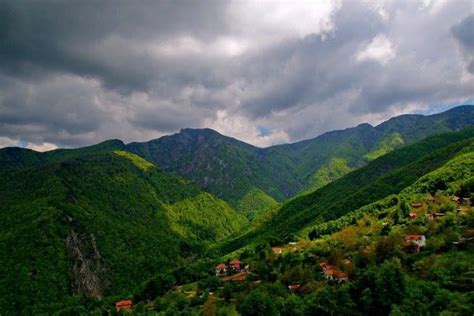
<point>84,227</point>
<point>96,222</point>
<point>380,178</point>
<point>233,170</point>
<point>228,168</point>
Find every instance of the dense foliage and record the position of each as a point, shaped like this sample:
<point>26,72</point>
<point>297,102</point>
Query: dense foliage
<point>384,276</point>
<point>386,175</point>
<point>98,225</point>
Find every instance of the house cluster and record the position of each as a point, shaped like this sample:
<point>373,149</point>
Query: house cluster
<point>434,215</point>
<point>413,243</point>
<point>461,201</point>
<point>234,265</point>
<point>333,273</point>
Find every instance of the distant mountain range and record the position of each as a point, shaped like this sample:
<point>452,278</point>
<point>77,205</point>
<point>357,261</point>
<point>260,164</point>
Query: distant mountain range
<point>238,172</point>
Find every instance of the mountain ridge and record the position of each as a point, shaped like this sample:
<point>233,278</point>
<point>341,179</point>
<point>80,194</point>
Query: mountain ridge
<point>232,169</point>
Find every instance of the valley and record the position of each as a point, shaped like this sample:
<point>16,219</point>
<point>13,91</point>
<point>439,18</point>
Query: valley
<point>312,224</point>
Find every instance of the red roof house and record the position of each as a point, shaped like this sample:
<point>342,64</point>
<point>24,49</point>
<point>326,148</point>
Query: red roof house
<point>235,264</point>
<point>276,250</point>
<point>123,305</point>
<point>413,243</point>
<point>221,269</point>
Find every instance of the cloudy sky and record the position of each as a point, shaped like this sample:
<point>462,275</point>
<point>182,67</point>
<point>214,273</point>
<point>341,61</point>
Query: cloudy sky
<point>74,73</point>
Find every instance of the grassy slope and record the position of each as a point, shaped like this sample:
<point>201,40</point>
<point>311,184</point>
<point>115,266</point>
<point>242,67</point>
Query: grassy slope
<point>140,220</point>
<point>255,202</point>
<point>328,173</point>
<point>384,176</point>
<point>447,178</point>
<point>387,145</point>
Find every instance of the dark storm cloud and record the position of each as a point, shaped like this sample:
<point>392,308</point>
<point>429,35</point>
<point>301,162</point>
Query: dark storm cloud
<point>96,38</point>
<point>314,68</point>
<point>78,72</point>
<point>464,32</point>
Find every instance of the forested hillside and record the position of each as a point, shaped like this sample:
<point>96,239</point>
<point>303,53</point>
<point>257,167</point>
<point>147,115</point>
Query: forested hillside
<point>94,225</point>
<point>408,253</point>
<point>386,175</point>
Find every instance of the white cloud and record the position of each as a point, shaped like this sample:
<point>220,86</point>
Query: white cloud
<point>7,142</point>
<point>241,128</point>
<point>42,147</point>
<point>265,21</point>
<point>379,49</point>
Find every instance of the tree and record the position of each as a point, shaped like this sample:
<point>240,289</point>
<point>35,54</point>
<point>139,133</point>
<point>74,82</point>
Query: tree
<point>293,306</point>
<point>313,234</point>
<point>390,285</point>
<point>258,303</point>
<point>156,287</point>
<point>386,248</point>
<point>209,308</point>
<point>228,291</point>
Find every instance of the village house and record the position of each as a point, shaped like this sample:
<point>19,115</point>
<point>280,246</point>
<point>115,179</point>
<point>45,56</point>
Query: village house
<point>342,276</point>
<point>416,204</point>
<point>456,199</point>
<point>466,201</point>
<point>412,215</point>
<point>434,216</point>
<point>221,269</point>
<point>236,264</point>
<point>333,273</point>
<point>277,250</point>
<point>124,305</point>
<point>294,287</point>
<point>413,243</point>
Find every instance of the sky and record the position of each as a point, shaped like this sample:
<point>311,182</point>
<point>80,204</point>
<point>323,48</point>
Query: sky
<point>74,73</point>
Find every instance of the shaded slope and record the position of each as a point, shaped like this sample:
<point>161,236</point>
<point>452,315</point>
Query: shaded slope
<point>225,166</point>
